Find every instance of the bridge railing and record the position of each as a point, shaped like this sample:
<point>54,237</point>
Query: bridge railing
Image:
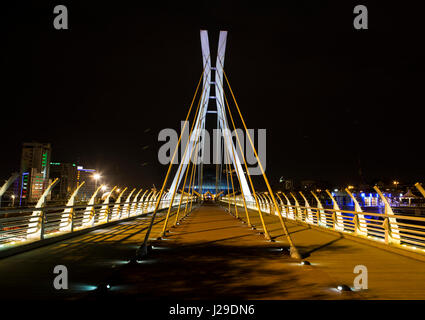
<point>401,229</point>
<point>23,226</point>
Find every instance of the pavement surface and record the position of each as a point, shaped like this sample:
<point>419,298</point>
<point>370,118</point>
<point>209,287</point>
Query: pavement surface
<point>210,255</point>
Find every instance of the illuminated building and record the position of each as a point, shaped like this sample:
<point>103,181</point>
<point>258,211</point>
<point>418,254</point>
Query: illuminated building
<point>35,165</point>
<point>68,175</point>
<point>90,184</point>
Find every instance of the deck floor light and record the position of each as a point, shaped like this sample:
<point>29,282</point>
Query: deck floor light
<point>305,263</point>
<point>343,287</point>
<point>104,287</point>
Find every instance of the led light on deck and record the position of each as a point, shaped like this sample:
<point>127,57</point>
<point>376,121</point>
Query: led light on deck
<point>343,287</point>
<point>104,287</point>
<point>305,263</point>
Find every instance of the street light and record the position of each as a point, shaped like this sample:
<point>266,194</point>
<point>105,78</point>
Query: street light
<point>96,178</point>
<point>395,182</point>
<point>13,200</point>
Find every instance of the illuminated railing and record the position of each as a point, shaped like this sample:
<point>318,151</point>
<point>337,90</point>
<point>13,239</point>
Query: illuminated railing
<point>22,226</point>
<point>402,229</point>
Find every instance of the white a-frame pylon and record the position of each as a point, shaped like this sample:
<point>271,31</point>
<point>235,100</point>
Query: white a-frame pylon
<point>221,114</point>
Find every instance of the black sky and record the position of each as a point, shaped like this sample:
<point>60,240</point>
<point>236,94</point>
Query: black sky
<point>330,97</point>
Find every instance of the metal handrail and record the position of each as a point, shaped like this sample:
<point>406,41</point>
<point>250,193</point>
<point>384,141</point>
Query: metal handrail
<point>403,231</point>
<point>22,226</point>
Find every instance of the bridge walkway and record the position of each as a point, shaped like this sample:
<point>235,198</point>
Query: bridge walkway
<point>89,258</point>
<point>212,255</point>
<point>390,275</point>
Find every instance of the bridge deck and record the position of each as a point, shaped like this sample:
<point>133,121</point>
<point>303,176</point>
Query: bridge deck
<point>390,275</point>
<point>211,255</point>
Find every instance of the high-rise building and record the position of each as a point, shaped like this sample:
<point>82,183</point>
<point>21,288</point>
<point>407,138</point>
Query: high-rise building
<point>90,185</point>
<point>35,165</point>
<point>68,175</point>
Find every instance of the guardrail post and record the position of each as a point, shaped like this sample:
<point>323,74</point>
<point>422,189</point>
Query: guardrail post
<point>394,234</point>
<point>93,213</point>
<point>360,226</point>
<point>42,220</point>
<point>88,216</point>
<point>307,210</point>
<point>297,208</point>
<point>334,221</point>
<point>386,227</point>
<point>356,223</point>
<point>289,206</point>
<point>72,220</point>
<point>321,214</point>
<point>336,215</point>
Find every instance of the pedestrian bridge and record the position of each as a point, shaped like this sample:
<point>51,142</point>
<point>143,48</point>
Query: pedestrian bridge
<point>180,242</point>
<point>212,249</point>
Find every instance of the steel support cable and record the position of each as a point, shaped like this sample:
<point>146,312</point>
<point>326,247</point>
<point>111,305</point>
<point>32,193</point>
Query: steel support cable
<point>185,179</point>
<point>183,192</point>
<point>293,250</point>
<point>228,188</point>
<point>236,167</point>
<point>181,167</point>
<point>193,177</point>
<point>231,179</point>
<point>266,233</point>
<point>239,179</point>
<point>142,250</point>
<point>187,170</point>
<point>233,189</point>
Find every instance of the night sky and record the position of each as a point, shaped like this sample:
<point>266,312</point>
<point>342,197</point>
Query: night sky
<point>333,99</point>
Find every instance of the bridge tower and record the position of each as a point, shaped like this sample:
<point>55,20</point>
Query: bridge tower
<point>198,134</point>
